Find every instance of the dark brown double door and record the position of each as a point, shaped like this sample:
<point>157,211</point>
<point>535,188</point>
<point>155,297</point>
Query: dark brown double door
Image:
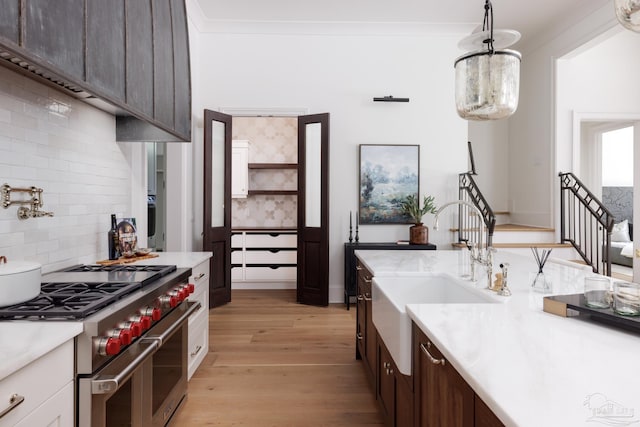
<point>313,207</point>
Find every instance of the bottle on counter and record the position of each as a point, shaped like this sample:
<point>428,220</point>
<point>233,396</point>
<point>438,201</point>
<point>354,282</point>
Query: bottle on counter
<point>113,239</point>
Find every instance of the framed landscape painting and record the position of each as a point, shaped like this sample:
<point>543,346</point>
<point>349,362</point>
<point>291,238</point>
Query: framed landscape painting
<point>388,174</point>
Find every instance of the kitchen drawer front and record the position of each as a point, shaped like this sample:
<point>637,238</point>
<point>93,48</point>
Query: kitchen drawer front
<point>198,343</point>
<point>200,276</point>
<point>237,274</point>
<point>237,240</point>
<point>273,256</point>
<point>264,274</point>
<point>236,257</point>
<point>55,411</point>
<point>271,240</point>
<point>202,296</point>
<point>37,382</point>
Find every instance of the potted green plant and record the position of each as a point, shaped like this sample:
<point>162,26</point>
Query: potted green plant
<point>418,233</point>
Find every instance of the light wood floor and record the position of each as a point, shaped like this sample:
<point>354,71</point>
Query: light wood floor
<point>273,362</point>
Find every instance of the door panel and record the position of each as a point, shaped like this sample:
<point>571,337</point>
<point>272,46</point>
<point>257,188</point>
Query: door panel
<point>217,204</point>
<point>313,209</point>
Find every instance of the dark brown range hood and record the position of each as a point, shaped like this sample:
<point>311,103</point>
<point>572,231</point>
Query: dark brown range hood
<point>129,128</point>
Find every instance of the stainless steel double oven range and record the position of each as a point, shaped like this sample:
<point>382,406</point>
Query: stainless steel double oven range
<point>131,359</point>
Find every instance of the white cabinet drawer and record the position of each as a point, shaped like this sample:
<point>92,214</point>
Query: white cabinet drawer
<point>270,240</point>
<point>236,257</point>
<point>202,296</point>
<point>200,277</point>
<point>265,274</point>
<point>237,274</point>
<point>37,382</point>
<point>57,411</point>
<point>271,257</point>
<point>237,241</point>
<point>198,343</point>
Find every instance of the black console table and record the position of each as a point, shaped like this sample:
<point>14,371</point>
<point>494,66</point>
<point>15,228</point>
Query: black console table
<point>350,273</point>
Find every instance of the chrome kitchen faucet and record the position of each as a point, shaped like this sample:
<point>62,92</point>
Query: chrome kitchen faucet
<point>477,254</point>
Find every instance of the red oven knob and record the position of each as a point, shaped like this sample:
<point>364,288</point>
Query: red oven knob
<point>108,346</point>
<point>178,295</point>
<point>143,321</point>
<point>124,335</point>
<point>134,327</point>
<point>168,300</point>
<point>154,312</point>
<point>191,288</point>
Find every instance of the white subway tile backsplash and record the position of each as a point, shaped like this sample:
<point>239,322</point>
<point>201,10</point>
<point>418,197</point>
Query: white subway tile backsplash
<point>68,148</point>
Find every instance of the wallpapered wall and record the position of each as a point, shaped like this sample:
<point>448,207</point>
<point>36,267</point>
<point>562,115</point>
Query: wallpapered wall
<point>619,200</point>
<point>271,140</point>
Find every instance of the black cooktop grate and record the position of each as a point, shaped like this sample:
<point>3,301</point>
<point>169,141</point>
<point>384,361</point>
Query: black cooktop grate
<point>68,301</point>
<point>162,270</point>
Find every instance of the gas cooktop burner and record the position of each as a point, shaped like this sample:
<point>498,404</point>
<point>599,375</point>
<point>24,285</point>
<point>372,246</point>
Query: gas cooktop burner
<point>69,300</point>
<point>161,269</point>
<point>81,290</point>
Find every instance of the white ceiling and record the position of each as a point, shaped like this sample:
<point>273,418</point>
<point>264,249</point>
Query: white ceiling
<point>530,17</point>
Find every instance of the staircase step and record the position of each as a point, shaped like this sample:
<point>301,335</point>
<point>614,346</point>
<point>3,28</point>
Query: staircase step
<point>532,245</point>
<point>525,228</point>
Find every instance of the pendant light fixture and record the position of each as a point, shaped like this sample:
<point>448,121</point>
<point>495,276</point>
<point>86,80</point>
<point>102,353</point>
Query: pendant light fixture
<point>628,13</point>
<point>488,76</point>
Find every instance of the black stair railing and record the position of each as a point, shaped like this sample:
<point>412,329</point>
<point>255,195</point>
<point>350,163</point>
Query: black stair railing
<point>469,224</point>
<point>585,223</point>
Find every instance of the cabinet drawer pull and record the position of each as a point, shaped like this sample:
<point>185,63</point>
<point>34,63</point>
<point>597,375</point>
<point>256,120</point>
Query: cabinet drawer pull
<point>359,336</point>
<point>200,276</point>
<point>367,280</point>
<point>360,297</point>
<point>198,348</point>
<point>358,267</point>
<point>431,358</point>
<point>14,401</point>
<point>367,297</point>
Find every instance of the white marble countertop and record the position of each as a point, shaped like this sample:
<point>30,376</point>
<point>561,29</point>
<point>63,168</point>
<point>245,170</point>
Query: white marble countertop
<point>180,259</point>
<point>22,342</point>
<point>530,367</point>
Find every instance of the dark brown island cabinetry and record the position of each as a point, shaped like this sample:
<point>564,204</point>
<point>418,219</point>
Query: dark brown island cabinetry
<point>442,396</point>
<point>366,340</point>
<point>394,390</point>
<point>130,58</point>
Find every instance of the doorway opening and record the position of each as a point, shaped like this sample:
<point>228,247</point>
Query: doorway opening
<point>264,202</point>
<point>607,165</point>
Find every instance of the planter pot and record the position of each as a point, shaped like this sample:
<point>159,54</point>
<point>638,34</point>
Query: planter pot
<point>418,234</point>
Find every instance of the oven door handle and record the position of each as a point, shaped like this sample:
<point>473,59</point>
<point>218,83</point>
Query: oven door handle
<point>109,383</point>
<point>175,320</point>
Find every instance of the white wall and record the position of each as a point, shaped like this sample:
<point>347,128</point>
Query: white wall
<point>536,152</point>
<point>340,74</point>
<point>67,148</point>
<point>490,142</point>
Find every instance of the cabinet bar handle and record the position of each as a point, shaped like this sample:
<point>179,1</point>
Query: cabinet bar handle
<point>367,280</point>
<point>358,268</point>
<point>200,276</point>
<point>360,297</point>
<point>359,336</point>
<point>431,358</point>
<point>198,348</point>
<point>367,297</point>
<point>14,401</point>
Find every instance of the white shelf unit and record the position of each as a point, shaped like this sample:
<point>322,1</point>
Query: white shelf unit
<point>264,259</point>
